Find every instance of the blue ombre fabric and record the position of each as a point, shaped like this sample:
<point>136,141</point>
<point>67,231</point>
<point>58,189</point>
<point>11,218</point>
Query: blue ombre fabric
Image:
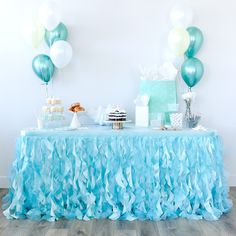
<point>127,174</point>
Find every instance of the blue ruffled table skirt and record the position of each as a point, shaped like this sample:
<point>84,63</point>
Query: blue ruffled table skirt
<point>128,174</point>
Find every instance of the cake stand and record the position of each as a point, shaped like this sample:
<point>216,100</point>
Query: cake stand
<point>75,123</point>
<point>117,124</point>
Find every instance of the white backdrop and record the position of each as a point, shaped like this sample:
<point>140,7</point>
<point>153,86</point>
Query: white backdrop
<point>110,40</point>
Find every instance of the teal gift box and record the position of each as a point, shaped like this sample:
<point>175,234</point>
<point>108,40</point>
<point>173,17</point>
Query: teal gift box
<point>163,97</point>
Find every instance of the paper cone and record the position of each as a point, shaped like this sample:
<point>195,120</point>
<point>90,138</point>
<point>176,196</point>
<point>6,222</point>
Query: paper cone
<point>75,124</point>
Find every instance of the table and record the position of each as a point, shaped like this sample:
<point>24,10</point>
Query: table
<point>126,174</point>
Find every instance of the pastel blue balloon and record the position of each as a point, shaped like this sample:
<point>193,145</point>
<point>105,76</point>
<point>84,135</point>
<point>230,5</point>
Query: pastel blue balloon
<point>59,33</point>
<point>196,41</point>
<point>43,67</point>
<point>192,71</point>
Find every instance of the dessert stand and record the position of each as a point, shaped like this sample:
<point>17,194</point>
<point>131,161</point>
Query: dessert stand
<point>75,123</point>
<point>116,125</point>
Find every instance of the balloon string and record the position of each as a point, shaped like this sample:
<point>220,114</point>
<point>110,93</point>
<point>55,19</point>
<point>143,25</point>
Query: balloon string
<point>46,90</point>
<point>52,80</point>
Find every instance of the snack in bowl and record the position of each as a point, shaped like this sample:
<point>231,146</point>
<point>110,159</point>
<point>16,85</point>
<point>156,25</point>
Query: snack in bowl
<point>76,107</point>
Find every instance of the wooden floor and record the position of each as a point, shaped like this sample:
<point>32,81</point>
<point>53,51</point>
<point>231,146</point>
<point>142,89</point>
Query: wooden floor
<point>181,227</point>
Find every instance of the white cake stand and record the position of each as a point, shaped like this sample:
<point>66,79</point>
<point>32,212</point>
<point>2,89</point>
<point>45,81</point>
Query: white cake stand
<point>75,123</point>
<point>117,124</point>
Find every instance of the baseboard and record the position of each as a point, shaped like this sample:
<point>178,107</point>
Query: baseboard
<point>232,180</point>
<point>4,181</point>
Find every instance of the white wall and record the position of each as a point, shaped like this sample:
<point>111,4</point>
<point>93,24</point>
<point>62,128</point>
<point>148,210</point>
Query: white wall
<point>111,39</point>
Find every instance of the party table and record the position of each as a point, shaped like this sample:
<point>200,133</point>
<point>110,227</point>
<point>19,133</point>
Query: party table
<point>126,174</point>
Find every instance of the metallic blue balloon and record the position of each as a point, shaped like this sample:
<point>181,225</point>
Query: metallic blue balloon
<point>196,41</point>
<point>43,67</point>
<point>192,71</point>
<point>59,33</point>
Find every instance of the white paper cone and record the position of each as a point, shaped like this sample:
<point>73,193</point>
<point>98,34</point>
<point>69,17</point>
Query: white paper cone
<point>75,124</point>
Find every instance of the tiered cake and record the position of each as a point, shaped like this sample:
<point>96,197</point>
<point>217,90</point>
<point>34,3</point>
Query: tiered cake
<point>117,115</point>
<point>52,113</point>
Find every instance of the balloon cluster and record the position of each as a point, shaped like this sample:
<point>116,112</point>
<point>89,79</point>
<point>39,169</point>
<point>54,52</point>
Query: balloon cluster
<point>192,69</point>
<point>55,34</point>
<point>186,41</point>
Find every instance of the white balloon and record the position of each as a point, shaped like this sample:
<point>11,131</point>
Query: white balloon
<point>33,32</point>
<point>178,41</point>
<point>168,56</point>
<point>49,15</point>
<point>181,15</point>
<point>60,53</point>
<point>50,21</point>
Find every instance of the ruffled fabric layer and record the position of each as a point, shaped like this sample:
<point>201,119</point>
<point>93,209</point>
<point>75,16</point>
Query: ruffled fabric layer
<point>118,175</point>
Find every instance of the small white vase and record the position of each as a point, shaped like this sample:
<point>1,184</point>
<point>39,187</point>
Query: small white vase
<point>40,123</point>
<point>75,124</point>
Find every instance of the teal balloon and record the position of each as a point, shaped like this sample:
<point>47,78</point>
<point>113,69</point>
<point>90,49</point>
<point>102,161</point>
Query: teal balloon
<point>196,41</point>
<point>43,67</point>
<point>192,71</point>
<point>59,33</point>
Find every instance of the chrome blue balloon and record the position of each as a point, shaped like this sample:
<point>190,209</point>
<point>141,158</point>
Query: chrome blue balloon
<point>192,71</point>
<point>196,41</point>
<point>43,67</point>
<point>59,33</point>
